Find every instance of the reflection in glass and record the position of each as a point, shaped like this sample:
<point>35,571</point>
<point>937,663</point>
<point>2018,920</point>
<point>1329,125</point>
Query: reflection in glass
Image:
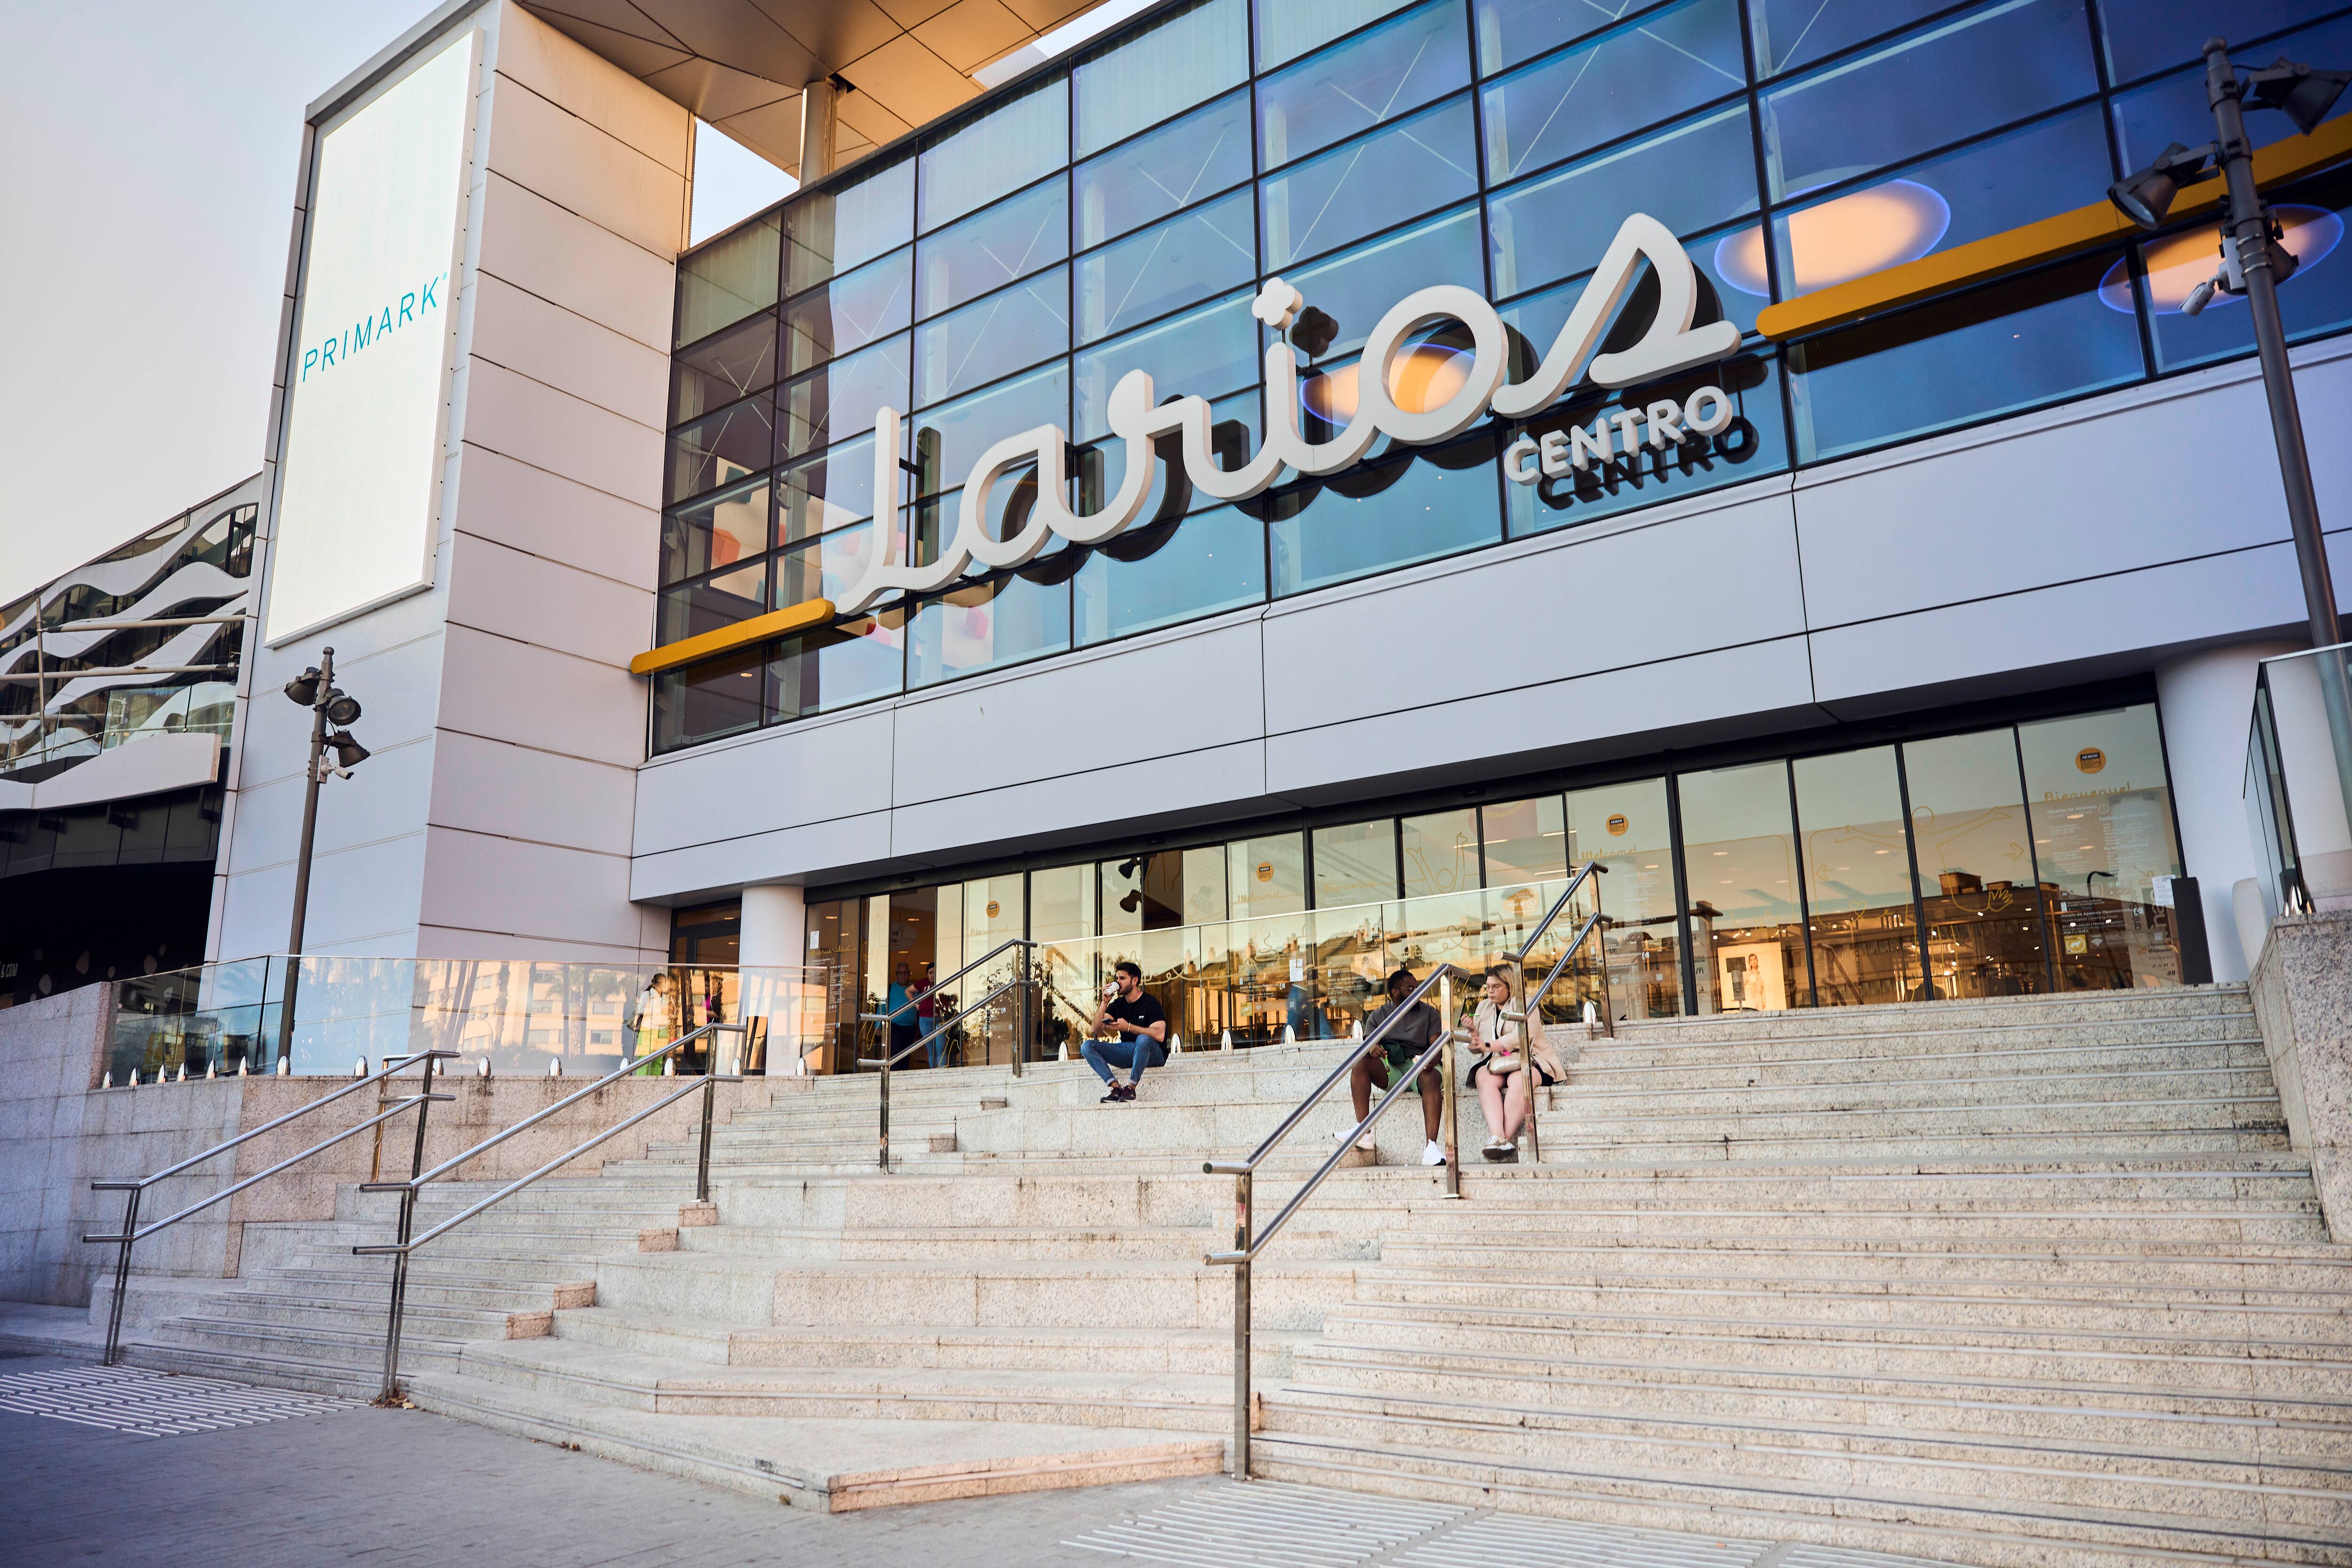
<point>1994,66</point>
<point>829,491</point>
<point>1792,33</point>
<point>712,604</point>
<point>1382,179</point>
<point>987,626</point>
<point>1169,66</point>
<point>1356,289</point>
<point>1288,29</point>
<point>1858,879</point>
<point>2101,805</point>
<point>1266,875</point>
<point>1441,852</point>
<point>838,402</point>
<point>825,567</point>
<point>714,533</point>
<point>1101,468</point>
<point>833,230</point>
<point>1207,353</point>
<point>1017,327</point>
<point>947,440</point>
<point>1437,502</point>
<point>721,369</point>
<point>1739,864</point>
<point>1995,351</point>
<point>1149,274</point>
<point>728,446</point>
<point>1690,178</point>
<point>1145,891</point>
<point>1974,850</point>
<point>1652,70</point>
<point>704,701</point>
<point>838,666</point>
<point>1171,572</point>
<point>848,313</point>
<point>2316,297</point>
<point>1012,144</point>
<point>991,249</point>
<point>1197,156</point>
<point>1355,863</point>
<point>1624,827</point>
<point>727,279</point>
<point>1372,78</point>
<point>1524,841</point>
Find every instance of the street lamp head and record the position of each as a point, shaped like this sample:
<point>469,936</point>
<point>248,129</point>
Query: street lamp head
<point>2146,197</point>
<point>349,752</point>
<point>2302,94</point>
<point>303,689</point>
<point>342,710</point>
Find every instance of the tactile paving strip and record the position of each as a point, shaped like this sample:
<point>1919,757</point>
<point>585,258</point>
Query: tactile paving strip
<point>153,1403</point>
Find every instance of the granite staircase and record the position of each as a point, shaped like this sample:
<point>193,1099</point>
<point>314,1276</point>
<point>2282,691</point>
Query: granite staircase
<point>2034,1281</point>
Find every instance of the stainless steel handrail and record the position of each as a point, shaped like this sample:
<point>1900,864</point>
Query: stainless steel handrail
<point>133,1231</point>
<point>1529,999</point>
<point>1247,1246</point>
<point>887,1060</point>
<point>707,1085</point>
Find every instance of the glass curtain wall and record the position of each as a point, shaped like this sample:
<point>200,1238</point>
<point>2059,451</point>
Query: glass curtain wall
<point>1003,271</point>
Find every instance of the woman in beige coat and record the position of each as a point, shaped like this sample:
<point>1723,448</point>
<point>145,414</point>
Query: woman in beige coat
<point>1500,1073</point>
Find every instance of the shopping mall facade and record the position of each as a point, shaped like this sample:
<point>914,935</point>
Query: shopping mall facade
<point>836,592</point>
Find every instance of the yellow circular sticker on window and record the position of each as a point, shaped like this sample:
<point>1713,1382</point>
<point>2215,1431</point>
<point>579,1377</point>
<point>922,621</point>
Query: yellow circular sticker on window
<point>1617,825</point>
<point>992,909</point>
<point>1266,870</point>
<point>2090,759</point>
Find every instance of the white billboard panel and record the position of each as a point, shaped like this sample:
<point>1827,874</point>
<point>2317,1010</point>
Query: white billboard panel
<point>366,414</point>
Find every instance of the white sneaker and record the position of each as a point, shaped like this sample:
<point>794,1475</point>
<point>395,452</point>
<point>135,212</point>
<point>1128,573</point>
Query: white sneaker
<point>1432,1153</point>
<point>1365,1144</point>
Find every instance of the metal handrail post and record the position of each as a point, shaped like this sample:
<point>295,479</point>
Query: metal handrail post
<point>1448,1107</point>
<point>702,1161</point>
<point>885,1099</point>
<point>1530,1021</point>
<point>1021,1010</point>
<point>122,1278</point>
<point>400,1259</point>
<point>1242,1220</point>
<point>1601,944</point>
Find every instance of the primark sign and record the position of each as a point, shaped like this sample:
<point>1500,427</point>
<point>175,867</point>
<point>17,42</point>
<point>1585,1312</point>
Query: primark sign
<point>1474,387</point>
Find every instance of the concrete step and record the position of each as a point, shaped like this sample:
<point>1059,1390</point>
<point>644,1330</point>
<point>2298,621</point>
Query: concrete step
<point>980,1242</point>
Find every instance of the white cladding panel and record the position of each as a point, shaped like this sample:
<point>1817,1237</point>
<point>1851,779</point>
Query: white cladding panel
<point>362,464</point>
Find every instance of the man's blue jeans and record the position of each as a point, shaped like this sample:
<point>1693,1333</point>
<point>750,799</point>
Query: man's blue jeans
<point>938,1048</point>
<point>1135,1053</point>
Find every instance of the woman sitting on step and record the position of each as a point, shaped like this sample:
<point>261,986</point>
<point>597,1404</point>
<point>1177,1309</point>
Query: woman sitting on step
<point>1499,1072</point>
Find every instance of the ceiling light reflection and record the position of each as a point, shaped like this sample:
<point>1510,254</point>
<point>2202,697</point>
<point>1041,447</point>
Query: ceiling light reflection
<point>1425,376</point>
<point>2178,262</point>
<point>1843,240</point>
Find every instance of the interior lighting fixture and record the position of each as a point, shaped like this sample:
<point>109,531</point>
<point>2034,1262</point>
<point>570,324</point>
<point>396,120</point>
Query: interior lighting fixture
<point>1847,237</point>
<point>2188,271</point>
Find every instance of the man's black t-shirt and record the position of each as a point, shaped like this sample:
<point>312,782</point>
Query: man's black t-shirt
<point>1143,1012</point>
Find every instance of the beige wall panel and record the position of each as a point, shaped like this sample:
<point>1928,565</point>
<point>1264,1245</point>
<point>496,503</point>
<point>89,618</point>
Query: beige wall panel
<point>563,71</point>
<point>546,514</point>
<point>570,352</point>
<point>534,244</point>
<point>535,424</point>
<point>514,791</point>
<point>512,594</point>
<point>532,892</point>
<point>581,169</point>
<point>512,691</point>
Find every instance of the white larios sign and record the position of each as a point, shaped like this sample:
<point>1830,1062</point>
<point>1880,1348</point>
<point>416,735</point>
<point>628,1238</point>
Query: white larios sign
<point>367,406</point>
<point>1670,344</point>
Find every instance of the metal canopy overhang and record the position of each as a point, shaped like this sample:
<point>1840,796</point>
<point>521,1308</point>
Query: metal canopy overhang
<point>740,65</point>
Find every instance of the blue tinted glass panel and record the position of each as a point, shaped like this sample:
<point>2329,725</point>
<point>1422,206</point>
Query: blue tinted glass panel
<point>1755,444</point>
<point>1012,239</point>
<point>948,440</point>
<point>1204,252</point>
<point>1357,290</point>
<point>1288,29</point>
<point>704,701</point>
<point>839,401</point>
<point>825,567</point>
<point>1369,520</point>
<point>2040,339</point>
<point>853,661</point>
<point>1167,68</point>
<point>2316,297</point>
<point>718,532</point>
<point>848,313</point>
<point>2144,35</point>
<point>1387,177</point>
<point>1172,168</point>
<point>1002,150</point>
<point>1171,572</point>
<point>720,369</point>
<point>1725,261</point>
<point>1233,437</point>
<point>1670,62</point>
<point>1793,33</point>
<point>2174,109</point>
<point>1987,188</point>
<point>729,444</point>
<point>987,626</point>
<point>1951,82</point>
<point>830,490</point>
<point>713,604</point>
<point>832,231</point>
<point>1371,79</point>
<point>1691,178</point>
<point>993,336</point>
<point>1207,353</point>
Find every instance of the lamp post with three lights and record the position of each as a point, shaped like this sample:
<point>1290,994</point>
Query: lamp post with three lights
<point>315,689</point>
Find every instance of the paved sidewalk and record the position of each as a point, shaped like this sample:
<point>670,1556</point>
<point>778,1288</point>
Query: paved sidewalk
<point>399,1487</point>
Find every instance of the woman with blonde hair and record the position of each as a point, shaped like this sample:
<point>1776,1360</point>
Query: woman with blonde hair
<point>1500,1072</point>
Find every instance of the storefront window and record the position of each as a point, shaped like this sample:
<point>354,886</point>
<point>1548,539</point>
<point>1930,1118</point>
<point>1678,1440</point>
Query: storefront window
<point>841,665</point>
<point>989,624</point>
<point>1441,852</point>
<point>1973,848</point>
<point>1625,827</point>
<point>2101,810</point>
<point>1355,863</point>
<point>1524,841</point>
<point>1266,875</point>
<point>707,700</point>
<point>1857,879</point>
<point>1739,864</point>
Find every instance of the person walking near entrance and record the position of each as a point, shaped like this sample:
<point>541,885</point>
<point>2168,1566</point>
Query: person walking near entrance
<point>657,1020</point>
<point>1500,1074</point>
<point>898,1007</point>
<point>926,992</point>
<point>1140,1028</point>
<point>1409,1035</point>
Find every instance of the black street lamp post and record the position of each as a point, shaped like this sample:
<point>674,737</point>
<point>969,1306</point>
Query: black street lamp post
<point>314,688</point>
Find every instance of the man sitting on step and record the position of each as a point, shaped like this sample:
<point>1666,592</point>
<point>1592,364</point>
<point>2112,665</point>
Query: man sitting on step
<point>1135,1018</point>
<point>1407,1038</point>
